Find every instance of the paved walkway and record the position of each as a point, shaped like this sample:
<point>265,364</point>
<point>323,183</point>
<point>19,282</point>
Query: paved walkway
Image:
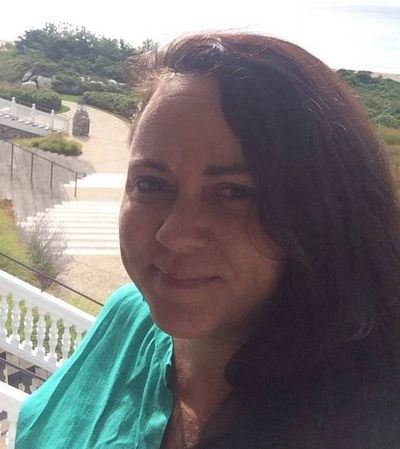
<point>107,150</point>
<point>106,147</point>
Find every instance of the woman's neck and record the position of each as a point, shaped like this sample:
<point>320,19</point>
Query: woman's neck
<point>199,372</point>
<point>199,387</point>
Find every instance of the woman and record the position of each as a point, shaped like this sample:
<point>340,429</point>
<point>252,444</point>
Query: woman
<point>260,225</point>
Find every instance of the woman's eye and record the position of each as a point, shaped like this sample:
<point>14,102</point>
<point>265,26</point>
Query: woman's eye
<point>237,192</point>
<point>150,185</point>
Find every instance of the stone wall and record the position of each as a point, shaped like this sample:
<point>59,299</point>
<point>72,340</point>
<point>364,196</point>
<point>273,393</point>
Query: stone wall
<point>7,133</point>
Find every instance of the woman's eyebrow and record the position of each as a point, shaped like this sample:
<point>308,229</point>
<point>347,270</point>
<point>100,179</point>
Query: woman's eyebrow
<point>149,163</point>
<point>212,170</point>
<point>234,169</point>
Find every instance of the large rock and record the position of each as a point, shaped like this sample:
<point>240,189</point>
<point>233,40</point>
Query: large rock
<point>29,85</point>
<point>43,82</point>
<point>27,76</point>
<point>81,122</point>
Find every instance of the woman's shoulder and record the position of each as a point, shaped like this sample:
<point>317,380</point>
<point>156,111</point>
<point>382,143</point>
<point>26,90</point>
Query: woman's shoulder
<point>123,346</point>
<point>125,307</point>
<point>125,298</point>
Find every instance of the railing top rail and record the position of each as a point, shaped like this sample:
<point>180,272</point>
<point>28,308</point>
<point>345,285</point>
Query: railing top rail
<point>29,106</point>
<point>30,373</point>
<point>39,273</point>
<point>46,159</point>
<point>45,301</point>
<point>11,397</point>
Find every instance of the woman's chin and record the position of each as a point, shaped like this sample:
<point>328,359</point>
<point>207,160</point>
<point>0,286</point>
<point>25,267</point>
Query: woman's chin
<point>179,322</point>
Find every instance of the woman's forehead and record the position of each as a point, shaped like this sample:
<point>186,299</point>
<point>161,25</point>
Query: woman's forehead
<point>188,85</point>
<point>187,107</point>
<point>185,117</point>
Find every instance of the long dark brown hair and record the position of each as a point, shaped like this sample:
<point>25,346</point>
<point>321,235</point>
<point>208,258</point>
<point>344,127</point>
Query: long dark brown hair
<point>322,371</point>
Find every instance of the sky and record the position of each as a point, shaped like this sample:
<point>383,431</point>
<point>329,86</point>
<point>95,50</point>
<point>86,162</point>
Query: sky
<point>353,34</point>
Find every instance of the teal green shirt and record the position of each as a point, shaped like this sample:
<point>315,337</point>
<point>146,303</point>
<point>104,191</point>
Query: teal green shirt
<point>112,392</point>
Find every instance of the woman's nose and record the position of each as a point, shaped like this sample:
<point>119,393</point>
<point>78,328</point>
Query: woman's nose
<point>184,229</point>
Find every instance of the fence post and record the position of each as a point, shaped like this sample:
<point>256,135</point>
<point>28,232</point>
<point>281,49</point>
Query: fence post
<point>13,108</point>
<point>32,169</point>
<point>12,418</point>
<point>52,119</point>
<point>12,160</point>
<point>51,176</point>
<point>76,183</point>
<point>33,113</point>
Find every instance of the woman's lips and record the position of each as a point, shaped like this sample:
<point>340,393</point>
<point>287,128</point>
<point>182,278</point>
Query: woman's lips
<point>182,280</point>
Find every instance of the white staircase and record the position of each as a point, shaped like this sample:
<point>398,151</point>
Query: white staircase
<point>98,186</point>
<point>87,227</point>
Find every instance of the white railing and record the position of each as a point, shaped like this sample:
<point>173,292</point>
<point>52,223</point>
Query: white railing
<point>37,326</point>
<point>10,402</point>
<point>30,328</point>
<point>31,116</point>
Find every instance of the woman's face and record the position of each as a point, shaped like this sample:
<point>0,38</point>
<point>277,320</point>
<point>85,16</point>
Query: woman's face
<point>190,235</point>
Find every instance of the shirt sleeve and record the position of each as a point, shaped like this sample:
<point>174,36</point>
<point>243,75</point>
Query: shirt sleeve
<point>92,369</point>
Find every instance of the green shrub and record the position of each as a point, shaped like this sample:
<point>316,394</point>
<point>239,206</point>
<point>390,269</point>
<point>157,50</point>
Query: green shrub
<point>12,244</point>
<point>47,249</point>
<point>55,143</point>
<point>45,100</point>
<point>68,84</point>
<point>121,104</point>
<point>387,120</point>
<point>99,86</point>
<point>14,65</point>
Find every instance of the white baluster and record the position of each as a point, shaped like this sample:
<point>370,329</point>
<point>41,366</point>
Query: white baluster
<point>3,317</point>
<point>33,113</point>
<point>41,333</point>
<point>12,427</point>
<point>66,341</point>
<point>53,336</point>
<point>13,108</point>
<point>78,339</point>
<point>16,316</point>
<point>52,119</point>
<point>28,329</point>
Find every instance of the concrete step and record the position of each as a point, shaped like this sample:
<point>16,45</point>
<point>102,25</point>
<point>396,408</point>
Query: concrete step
<point>73,236</point>
<point>98,245</point>
<point>109,213</point>
<point>87,205</point>
<point>102,193</point>
<point>60,225</point>
<point>80,227</point>
<point>85,228</point>
<point>92,252</point>
<point>105,186</point>
<point>102,181</point>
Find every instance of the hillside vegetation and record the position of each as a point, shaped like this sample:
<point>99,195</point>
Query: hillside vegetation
<point>380,96</point>
<point>96,70</point>
<point>77,61</point>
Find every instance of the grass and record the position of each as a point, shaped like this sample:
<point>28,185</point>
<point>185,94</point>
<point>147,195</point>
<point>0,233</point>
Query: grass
<point>74,299</point>
<point>55,143</point>
<point>12,244</point>
<point>391,140</point>
<point>74,98</point>
<point>64,109</point>
<point>391,136</point>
